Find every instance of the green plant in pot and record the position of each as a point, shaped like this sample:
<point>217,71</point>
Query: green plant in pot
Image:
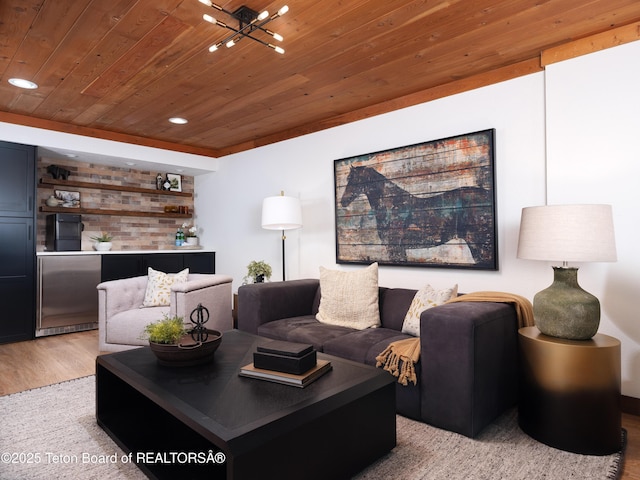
<point>167,331</point>
<point>173,345</point>
<point>103,241</point>
<point>258,272</point>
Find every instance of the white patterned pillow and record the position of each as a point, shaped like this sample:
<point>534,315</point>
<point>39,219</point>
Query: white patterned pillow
<point>349,299</point>
<point>424,299</point>
<point>158,291</point>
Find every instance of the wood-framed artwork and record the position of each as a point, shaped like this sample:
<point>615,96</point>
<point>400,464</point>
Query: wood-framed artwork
<point>430,204</point>
<point>175,182</point>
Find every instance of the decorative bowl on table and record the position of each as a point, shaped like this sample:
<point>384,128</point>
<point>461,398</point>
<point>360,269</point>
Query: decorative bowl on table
<point>187,352</point>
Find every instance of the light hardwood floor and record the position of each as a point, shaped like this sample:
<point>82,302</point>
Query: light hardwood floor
<point>48,360</point>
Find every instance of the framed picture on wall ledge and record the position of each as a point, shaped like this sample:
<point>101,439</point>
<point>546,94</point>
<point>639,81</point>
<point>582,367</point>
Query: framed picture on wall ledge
<point>430,204</point>
<point>175,182</point>
<point>68,199</point>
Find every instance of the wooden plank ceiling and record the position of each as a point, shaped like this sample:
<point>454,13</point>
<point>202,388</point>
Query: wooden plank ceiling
<point>119,69</point>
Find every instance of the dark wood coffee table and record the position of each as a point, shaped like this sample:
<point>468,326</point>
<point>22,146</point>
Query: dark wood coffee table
<point>208,422</point>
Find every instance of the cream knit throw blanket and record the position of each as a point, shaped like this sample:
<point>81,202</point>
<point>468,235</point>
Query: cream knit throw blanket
<point>400,357</point>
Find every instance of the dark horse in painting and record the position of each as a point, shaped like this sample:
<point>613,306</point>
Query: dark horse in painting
<point>405,221</point>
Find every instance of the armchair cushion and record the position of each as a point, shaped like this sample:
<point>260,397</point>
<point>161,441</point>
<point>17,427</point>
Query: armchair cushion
<point>159,284</point>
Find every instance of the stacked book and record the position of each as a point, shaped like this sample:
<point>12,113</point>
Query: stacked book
<point>286,362</point>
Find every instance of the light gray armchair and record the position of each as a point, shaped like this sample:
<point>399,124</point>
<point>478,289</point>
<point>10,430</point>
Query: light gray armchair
<point>121,317</point>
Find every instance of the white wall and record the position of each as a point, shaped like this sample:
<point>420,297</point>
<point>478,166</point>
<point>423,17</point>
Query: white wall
<point>588,105</point>
<point>592,136</point>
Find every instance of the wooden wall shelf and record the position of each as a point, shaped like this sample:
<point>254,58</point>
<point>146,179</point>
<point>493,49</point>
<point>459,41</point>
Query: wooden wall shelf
<point>105,186</point>
<point>120,213</point>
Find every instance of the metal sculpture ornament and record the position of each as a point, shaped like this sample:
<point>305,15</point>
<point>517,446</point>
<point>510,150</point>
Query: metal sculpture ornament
<point>199,316</point>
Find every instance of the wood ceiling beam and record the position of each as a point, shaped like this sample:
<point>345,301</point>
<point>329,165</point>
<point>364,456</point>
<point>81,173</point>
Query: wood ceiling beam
<point>594,43</point>
<point>27,121</point>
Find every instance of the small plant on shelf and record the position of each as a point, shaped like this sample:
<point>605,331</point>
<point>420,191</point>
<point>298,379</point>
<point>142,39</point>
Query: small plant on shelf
<point>103,237</point>
<point>167,331</point>
<point>258,272</point>
<point>190,231</point>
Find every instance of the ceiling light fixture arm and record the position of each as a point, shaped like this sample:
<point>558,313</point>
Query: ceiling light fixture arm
<point>249,22</point>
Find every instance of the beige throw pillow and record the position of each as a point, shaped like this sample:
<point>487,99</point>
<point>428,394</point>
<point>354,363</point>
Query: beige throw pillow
<point>349,299</point>
<point>158,291</point>
<point>427,297</point>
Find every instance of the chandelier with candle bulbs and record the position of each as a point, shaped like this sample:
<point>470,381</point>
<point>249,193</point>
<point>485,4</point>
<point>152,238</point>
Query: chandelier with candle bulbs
<point>250,22</point>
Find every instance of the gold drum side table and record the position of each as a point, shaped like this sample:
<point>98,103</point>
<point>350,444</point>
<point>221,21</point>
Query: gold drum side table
<point>569,392</point>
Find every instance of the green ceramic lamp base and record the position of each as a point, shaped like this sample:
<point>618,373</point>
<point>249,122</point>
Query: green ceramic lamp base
<point>565,310</point>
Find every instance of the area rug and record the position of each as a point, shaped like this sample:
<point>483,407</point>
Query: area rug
<point>51,432</point>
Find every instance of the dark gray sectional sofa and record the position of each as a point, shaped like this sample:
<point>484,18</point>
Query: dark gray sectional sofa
<point>468,362</point>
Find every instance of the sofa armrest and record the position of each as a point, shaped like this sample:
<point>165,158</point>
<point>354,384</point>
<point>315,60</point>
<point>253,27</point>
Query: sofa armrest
<point>260,303</point>
<point>212,291</point>
<point>199,281</point>
<point>469,364</point>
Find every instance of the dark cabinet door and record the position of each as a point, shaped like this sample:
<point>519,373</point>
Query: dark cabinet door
<point>17,279</point>
<point>115,266</point>
<point>204,262</point>
<point>164,262</point>
<point>17,180</point>
<point>17,242</point>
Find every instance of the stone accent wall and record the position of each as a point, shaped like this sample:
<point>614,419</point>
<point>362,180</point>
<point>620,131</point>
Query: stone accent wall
<point>129,232</point>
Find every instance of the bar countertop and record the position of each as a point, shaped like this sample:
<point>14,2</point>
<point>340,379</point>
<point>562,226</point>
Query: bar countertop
<point>111,252</point>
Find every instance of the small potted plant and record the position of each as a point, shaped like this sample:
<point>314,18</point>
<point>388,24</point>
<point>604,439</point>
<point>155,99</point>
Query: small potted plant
<point>258,272</point>
<point>173,345</point>
<point>103,241</point>
<point>168,331</point>
<point>191,234</point>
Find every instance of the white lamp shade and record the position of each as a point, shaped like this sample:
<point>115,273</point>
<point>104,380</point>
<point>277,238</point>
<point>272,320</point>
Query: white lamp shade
<point>281,213</point>
<point>567,233</point>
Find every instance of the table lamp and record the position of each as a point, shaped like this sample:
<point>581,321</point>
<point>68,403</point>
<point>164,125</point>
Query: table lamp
<point>567,233</point>
<point>281,213</point>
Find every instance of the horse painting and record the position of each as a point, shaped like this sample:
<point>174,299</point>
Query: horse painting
<point>405,221</point>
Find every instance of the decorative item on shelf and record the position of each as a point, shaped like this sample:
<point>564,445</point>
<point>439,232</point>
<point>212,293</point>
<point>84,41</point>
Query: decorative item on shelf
<point>567,233</point>
<point>249,22</point>
<point>175,182</point>
<point>159,181</point>
<point>175,345</point>
<point>52,201</point>
<point>281,213</point>
<point>257,272</point>
<point>191,235</point>
<point>68,199</point>
<point>58,173</point>
<point>171,209</point>
<point>103,242</point>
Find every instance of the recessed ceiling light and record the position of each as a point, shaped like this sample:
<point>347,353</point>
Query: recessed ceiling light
<point>131,164</point>
<point>22,83</point>
<point>178,120</point>
<point>71,155</point>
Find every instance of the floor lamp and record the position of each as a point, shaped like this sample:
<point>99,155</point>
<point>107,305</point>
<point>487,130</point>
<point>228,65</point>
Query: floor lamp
<point>281,213</point>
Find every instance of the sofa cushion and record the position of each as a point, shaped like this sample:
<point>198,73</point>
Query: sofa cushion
<point>349,299</point>
<point>305,329</point>
<point>127,328</point>
<point>427,297</point>
<point>158,290</point>
<point>363,345</point>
